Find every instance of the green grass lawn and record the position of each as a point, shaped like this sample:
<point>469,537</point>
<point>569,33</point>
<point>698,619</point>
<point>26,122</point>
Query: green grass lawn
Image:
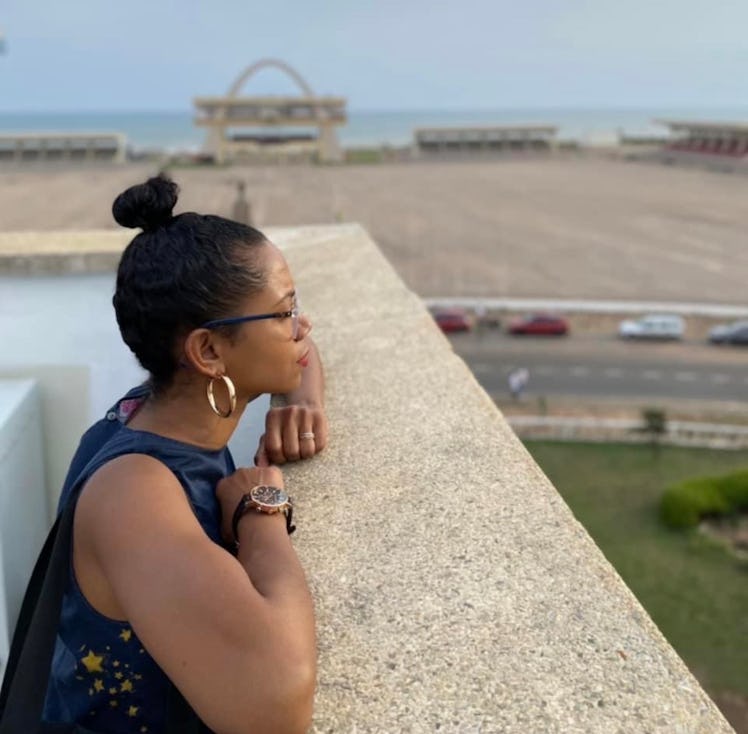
<point>694,590</point>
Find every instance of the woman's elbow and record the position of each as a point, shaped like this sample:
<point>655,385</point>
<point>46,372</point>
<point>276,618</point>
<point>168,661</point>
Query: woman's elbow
<point>282,703</point>
<point>298,696</point>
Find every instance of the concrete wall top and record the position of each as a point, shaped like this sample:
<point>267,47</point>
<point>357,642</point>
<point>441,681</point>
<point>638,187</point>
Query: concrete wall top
<point>54,253</point>
<point>96,251</point>
<point>454,590</point>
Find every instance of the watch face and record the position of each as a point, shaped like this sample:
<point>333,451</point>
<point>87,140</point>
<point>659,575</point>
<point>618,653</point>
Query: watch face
<point>268,496</point>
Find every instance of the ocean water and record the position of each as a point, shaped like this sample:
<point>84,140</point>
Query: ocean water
<point>176,131</point>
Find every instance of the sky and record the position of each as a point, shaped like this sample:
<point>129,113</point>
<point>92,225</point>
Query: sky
<point>79,55</point>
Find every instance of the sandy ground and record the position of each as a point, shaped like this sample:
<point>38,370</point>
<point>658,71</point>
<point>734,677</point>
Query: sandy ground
<point>572,227</point>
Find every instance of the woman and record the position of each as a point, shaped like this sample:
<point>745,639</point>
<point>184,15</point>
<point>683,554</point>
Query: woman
<point>182,570</point>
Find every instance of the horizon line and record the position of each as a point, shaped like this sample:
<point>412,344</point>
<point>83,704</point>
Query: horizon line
<point>389,110</point>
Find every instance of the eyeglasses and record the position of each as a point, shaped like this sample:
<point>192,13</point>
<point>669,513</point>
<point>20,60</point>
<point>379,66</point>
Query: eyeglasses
<point>293,314</point>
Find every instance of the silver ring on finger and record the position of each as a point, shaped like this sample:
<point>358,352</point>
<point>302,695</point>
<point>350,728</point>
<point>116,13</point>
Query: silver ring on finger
<point>307,436</point>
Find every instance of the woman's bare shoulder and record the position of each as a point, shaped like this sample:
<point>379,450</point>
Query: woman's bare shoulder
<point>132,488</point>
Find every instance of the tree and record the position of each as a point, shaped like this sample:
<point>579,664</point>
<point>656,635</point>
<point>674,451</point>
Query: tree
<point>654,424</point>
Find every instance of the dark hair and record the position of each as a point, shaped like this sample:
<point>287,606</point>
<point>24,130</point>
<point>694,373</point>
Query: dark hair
<point>178,273</point>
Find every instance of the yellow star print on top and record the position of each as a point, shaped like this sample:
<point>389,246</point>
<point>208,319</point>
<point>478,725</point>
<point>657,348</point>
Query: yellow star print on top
<point>91,647</point>
<point>93,662</point>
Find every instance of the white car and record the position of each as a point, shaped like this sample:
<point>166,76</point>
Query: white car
<point>653,326</point>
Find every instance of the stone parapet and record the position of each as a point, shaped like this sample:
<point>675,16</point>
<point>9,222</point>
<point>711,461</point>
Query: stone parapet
<point>454,589</point>
<point>57,253</point>
<point>628,430</point>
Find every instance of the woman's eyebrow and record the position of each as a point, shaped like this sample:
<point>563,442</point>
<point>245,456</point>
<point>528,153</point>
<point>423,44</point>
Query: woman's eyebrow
<point>288,295</point>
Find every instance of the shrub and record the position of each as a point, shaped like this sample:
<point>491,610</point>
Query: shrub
<point>735,489</point>
<point>686,503</point>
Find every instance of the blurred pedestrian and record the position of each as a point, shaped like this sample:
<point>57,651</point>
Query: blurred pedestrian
<point>518,379</point>
<point>241,211</point>
<point>480,312</point>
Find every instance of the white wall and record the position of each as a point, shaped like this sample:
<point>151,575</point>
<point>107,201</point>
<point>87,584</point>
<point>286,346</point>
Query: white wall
<point>23,500</point>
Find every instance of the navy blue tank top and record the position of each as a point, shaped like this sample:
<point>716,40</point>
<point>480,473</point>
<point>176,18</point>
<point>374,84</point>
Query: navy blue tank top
<point>102,677</point>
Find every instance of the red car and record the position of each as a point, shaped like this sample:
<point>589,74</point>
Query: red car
<point>452,319</point>
<point>540,324</point>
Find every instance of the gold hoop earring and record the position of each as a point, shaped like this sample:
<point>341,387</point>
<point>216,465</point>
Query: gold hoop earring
<point>232,396</point>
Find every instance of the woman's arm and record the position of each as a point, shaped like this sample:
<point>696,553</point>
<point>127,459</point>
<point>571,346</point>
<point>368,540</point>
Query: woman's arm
<point>304,412</point>
<point>235,635</point>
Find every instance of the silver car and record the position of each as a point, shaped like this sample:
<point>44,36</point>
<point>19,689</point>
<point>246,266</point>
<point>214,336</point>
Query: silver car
<point>653,326</point>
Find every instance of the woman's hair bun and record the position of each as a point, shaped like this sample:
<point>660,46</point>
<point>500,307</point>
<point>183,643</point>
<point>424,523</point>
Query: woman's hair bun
<point>148,205</point>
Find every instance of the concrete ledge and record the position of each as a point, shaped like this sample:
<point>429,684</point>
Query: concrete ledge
<point>627,430</point>
<point>47,253</point>
<point>570,306</point>
<point>43,147</point>
<point>454,589</point>
<point>99,251</point>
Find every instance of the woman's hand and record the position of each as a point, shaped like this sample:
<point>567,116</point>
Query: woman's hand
<point>292,432</point>
<point>231,489</point>
<point>298,430</point>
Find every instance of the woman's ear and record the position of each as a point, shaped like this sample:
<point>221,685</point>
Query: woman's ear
<point>203,350</point>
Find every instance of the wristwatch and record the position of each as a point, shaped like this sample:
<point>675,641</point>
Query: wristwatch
<point>263,498</point>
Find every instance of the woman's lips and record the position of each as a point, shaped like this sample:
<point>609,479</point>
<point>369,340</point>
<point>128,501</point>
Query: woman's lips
<point>304,361</point>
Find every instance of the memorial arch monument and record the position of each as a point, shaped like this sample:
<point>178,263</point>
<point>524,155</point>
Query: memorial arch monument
<point>262,127</point>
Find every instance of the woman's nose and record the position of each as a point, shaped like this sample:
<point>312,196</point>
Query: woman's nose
<point>305,326</point>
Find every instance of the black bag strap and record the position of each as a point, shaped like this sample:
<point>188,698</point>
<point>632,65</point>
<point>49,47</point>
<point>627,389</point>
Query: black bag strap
<point>24,686</point>
<point>22,696</point>
<point>30,598</point>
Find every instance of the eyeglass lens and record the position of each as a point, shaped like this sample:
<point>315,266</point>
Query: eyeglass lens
<point>295,317</point>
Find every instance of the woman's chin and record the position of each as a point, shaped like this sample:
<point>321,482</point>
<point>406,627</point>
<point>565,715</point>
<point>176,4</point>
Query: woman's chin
<point>293,383</point>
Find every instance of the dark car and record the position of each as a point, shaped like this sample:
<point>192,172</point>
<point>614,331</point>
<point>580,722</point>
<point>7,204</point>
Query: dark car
<point>452,319</point>
<point>540,324</point>
<point>736,333</point>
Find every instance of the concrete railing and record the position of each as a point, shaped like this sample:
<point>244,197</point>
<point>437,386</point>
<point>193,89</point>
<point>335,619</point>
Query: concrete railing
<point>675,433</point>
<point>45,147</point>
<point>454,590</point>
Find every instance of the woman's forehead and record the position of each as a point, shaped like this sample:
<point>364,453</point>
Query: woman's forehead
<point>278,278</point>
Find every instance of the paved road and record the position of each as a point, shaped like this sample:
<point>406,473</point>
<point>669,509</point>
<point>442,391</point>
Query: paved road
<point>600,367</point>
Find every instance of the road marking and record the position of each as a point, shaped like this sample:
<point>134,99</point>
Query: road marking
<point>652,375</point>
<point>615,372</point>
<point>685,376</point>
<point>580,371</point>
<point>720,379</point>
<point>483,367</point>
